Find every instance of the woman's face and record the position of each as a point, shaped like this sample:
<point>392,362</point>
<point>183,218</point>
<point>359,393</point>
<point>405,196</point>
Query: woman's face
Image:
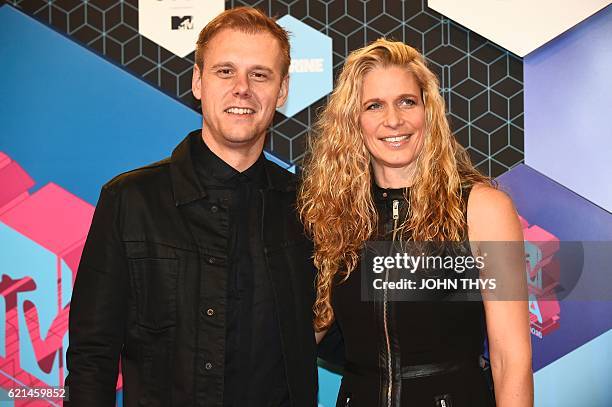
<point>392,119</point>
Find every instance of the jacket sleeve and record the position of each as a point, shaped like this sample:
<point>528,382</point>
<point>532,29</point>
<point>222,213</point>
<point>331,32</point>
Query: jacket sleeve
<point>98,310</point>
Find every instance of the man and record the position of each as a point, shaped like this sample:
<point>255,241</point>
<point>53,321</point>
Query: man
<point>196,272</point>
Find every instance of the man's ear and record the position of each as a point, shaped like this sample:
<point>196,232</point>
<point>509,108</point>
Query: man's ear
<point>284,90</point>
<point>196,82</point>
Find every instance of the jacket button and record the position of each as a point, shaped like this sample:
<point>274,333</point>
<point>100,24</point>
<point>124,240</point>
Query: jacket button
<point>210,312</point>
<point>208,366</point>
<point>214,209</point>
<point>211,260</point>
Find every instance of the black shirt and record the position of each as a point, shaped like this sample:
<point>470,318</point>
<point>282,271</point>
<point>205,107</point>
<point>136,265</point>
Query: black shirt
<point>254,373</point>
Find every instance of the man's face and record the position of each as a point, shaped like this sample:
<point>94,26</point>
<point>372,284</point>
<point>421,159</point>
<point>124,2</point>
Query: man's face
<point>240,87</point>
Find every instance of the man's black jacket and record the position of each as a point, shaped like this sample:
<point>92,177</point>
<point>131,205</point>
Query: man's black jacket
<point>136,291</point>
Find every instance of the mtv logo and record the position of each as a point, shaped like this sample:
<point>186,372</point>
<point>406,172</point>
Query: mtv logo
<point>182,23</point>
<point>187,18</point>
<point>310,73</point>
<point>41,240</point>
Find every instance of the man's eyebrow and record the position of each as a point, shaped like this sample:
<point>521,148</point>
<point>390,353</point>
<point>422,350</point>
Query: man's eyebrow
<point>227,64</point>
<point>262,68</point>
<point>222,65</point>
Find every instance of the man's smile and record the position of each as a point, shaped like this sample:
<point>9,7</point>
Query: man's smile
<point>239,110</point>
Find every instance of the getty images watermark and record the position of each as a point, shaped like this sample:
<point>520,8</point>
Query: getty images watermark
<point>425,263</point>
<point>473,271</point>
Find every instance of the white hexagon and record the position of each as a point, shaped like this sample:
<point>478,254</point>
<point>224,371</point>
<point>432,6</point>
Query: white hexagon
<point>175,24</point>
<point>520,26</point>
<point>310,74</point>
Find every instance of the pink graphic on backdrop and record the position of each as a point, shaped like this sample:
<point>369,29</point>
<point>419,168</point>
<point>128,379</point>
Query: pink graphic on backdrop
<point>55,219</point>
<point>46,349</point>
<point>58,221</point>
<point>15,183</point>
<point>543,272</point>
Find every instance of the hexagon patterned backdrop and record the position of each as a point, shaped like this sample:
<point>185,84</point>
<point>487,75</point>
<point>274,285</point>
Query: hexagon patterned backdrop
<point>481,82</point>
<point>85,96</point>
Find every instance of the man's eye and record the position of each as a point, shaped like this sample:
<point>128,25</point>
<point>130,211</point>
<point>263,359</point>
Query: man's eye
<point>224,71</point>
<point>259,75</point>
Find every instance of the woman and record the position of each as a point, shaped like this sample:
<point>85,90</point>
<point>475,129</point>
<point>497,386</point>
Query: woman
<point>385,165</point>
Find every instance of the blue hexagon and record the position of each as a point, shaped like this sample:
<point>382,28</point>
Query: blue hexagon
<point>311,65</point>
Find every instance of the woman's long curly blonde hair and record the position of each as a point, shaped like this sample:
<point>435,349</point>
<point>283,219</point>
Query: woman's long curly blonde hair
<point>335,200</point>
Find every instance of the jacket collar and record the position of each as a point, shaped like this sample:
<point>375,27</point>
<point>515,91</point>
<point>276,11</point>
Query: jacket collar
<point>186,186</point>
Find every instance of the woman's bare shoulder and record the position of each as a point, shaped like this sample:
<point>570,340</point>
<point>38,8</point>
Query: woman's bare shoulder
<point>491,215</point>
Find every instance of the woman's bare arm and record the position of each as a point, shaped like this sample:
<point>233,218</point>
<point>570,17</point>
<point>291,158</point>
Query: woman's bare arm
<point>492,218</point>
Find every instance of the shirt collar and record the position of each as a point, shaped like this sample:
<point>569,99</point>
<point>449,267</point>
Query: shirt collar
<point>212,170</point>
<point>187,186</point>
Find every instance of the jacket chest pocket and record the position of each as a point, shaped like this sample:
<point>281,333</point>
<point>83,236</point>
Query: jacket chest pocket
<point>154,283</point>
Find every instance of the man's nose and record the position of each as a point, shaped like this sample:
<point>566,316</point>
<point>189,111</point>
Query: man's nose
<point>241,86</point>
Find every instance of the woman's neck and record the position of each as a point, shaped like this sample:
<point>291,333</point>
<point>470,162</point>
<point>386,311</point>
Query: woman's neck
<point>394,178</point>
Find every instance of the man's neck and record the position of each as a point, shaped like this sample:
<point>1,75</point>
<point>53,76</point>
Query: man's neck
<point>239,156</point>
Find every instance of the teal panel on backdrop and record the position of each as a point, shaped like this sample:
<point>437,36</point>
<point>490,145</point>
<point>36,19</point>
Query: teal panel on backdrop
<point>329,383</point>
<point>580,378</point>
<point>310,75</point>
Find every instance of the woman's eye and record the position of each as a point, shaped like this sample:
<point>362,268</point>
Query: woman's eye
<point>373,106</point>
<point>407,102</point>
